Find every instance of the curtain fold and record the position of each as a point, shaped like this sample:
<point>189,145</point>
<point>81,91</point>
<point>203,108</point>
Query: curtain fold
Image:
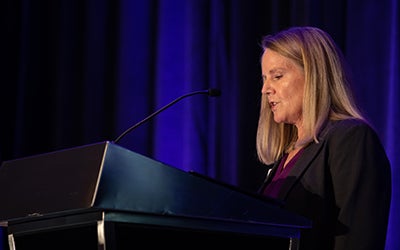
<point>372,50</point>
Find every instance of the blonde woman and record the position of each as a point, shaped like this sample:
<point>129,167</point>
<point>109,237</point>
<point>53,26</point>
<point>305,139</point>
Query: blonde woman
<point>327,163</point>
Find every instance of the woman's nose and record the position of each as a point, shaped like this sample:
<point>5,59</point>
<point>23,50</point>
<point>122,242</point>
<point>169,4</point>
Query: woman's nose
<point>266,89</point>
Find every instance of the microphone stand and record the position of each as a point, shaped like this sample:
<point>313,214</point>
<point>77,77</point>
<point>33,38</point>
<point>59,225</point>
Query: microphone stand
<point>210,92</point>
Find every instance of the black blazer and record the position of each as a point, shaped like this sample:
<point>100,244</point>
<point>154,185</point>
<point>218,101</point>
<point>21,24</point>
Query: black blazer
<point>343,184</point>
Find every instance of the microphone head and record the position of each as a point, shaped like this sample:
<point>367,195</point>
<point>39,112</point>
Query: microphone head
<point>214,92</point>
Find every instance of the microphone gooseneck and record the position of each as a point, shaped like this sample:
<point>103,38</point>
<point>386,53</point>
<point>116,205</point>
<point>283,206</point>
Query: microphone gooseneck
<point>210,92</point>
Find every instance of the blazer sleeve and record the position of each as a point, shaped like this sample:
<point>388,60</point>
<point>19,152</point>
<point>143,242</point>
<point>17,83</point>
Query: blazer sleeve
<point>361,177</point>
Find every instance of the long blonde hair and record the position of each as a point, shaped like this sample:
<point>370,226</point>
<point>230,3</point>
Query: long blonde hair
<point>326,93</point>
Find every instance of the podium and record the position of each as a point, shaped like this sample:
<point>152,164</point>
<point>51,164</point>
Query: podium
<point>104,196</point>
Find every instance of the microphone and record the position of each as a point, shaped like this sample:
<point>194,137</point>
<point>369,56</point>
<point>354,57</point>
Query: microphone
<point>210,92</point>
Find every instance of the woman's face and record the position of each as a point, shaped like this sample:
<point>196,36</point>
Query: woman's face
<point>283,83</point>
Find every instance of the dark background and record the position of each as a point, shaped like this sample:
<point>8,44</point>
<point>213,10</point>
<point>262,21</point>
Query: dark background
<point>76,72</point>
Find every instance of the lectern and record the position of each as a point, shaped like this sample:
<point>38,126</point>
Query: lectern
<point>104,196</point>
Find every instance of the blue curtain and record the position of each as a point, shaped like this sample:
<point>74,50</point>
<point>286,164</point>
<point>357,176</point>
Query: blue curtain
<point>77,72</point>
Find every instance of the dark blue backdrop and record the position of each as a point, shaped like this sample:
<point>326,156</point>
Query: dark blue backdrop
<point>77,72</point>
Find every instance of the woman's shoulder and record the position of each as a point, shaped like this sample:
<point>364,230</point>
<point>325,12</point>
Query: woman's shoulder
<point>350,135</point>
<point>350,123</point>
<point>345,127</point>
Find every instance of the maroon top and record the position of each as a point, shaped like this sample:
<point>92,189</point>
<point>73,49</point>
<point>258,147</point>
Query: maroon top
<point>273,188</point>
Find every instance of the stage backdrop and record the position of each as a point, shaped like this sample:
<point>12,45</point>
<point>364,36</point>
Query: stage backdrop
<point>75,72</point>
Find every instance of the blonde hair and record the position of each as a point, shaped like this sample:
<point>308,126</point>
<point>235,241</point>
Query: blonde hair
<point>326,92</point>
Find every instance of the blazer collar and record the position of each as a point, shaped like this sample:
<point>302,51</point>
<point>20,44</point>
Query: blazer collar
<point>299,168</point>
<point>302,164</point>
<point>304,161</point>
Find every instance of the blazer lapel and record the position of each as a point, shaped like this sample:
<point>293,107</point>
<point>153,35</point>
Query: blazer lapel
<point>268,177</point>
<point>302,164</point>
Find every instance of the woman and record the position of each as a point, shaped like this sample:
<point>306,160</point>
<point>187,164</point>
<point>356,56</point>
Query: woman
<point>327,162</point>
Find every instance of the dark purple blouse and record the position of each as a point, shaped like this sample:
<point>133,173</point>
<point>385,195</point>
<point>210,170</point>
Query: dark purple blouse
<point>273,188</point>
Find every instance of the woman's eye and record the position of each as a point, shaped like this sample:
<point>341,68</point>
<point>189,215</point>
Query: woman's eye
<point>277,77</point>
